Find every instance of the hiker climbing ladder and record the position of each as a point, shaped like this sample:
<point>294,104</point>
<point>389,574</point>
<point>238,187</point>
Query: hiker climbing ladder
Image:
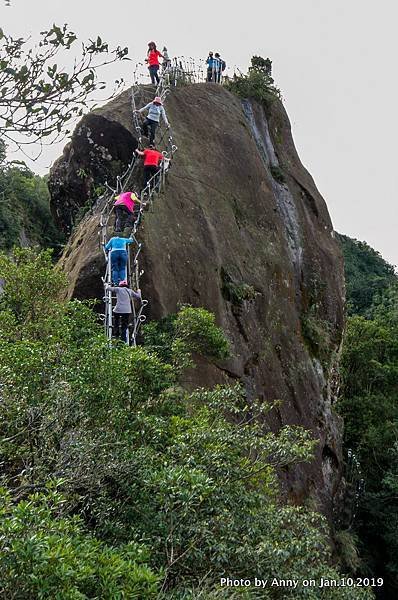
<point>154,185</point>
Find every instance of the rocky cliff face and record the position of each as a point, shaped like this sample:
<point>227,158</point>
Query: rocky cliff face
<point>242,231</point>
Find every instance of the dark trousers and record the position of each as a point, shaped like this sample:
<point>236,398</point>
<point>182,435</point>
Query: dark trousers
<point>153,72</point>
<point>149,171</point>
<point>118,264</point>
<point>120,325</point>
<point>124,217</point>
<point>210,74</point>
<point>152,126</point>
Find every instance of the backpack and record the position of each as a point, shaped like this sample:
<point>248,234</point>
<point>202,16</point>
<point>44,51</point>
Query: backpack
<point>223,65</point>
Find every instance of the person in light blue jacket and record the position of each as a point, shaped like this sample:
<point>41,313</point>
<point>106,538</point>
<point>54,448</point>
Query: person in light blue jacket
<point>155,112</point>
<point>210,67</point>
<point>117,246</point>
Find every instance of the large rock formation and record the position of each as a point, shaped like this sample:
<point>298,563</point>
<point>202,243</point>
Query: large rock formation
<point>243,231</point>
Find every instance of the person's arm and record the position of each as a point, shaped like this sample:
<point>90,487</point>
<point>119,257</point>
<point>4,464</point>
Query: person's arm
<point>136,295</point>
<point>163,113</point>
<point>139,152</point>
<point>140,110</point>
<point>108,246</point>
<point>111,288</point>
<point>129,241</point>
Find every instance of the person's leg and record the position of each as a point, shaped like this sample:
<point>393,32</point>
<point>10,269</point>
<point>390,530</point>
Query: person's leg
<point>152,126</point>
<point>150,173</point>
<point>122,265</point>
<point>116,325</point>
<point>115,266</point>
<point>145,128</point>
<point>119,218</point>
<point>156,69</point>
<point>129,219</point>
<point>147,175</point>
<point>209,74</point>
<point>119,260</point>
<point>152,74</point>
<point>124,325</point>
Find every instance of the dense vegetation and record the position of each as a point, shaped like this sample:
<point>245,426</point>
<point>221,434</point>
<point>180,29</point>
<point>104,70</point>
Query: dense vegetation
<point>369,404</point>
<point>117,483</point>
<point>366,275</point>
<point>25,216</point>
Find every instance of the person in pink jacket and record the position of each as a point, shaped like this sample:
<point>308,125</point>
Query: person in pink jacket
<point>125,206</point>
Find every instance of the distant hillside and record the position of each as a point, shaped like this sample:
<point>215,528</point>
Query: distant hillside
<point>25,217</point>
<point>366,274</point>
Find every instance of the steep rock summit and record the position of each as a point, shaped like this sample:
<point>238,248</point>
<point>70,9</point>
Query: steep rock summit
<point>241,230</point>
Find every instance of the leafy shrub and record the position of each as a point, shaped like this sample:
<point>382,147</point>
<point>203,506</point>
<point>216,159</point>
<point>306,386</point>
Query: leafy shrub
<point>234,292</point>
<point>257,84</point>
<point>176,337</point>
<point>46,555</point>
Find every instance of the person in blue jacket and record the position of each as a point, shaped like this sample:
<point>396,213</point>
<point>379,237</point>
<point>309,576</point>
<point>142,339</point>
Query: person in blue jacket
<point>210,67</point>
<point>117,246</point>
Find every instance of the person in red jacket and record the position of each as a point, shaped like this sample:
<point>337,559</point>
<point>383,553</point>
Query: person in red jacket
<point>153,62</point>
<point>152,159</point>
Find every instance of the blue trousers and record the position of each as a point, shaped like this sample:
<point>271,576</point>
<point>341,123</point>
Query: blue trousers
<point>118,265</point>
<point>153,72</point>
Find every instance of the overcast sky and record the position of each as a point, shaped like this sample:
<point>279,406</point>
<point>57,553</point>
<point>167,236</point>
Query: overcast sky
<point>335,62</point>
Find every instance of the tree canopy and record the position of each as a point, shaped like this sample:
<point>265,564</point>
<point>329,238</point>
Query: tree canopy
<point>116,481</point>
<point>369,405</point>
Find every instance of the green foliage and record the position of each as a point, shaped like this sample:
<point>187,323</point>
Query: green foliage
<point>234,292</point>
<point>367,274</point>
<point>191,330</point>
<point>196,331</point>
<point>32,291</point>
<point>44,554</point>
<point>346,549</point>
<point>138,461</point>
<point>24,208</point>
<point>316,335</point>
<point>257,84</point>
<point>39,97</point>
<point>369,404</point>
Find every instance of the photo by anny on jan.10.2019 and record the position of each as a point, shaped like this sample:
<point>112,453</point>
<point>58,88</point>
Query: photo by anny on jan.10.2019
<point>198,301</point>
